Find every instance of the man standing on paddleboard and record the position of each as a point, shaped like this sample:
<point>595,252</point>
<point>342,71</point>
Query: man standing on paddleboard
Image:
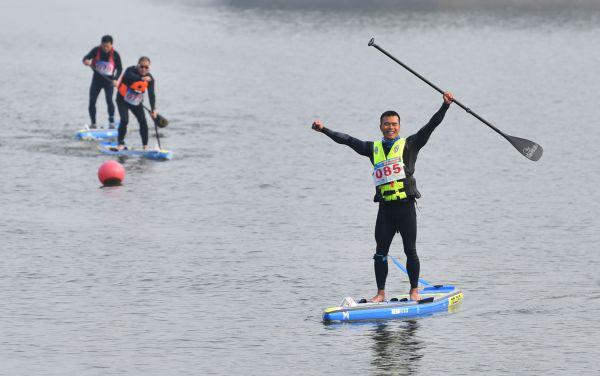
<point>393,160</point>
<point>136,81</point>
<point>106,63</point>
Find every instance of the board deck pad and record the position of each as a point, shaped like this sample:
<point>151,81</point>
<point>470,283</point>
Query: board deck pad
<point>433,299</point>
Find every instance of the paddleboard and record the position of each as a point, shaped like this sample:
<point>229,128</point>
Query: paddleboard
<point>110,148</point>
<point>102,133</point>
<point>436,298</point>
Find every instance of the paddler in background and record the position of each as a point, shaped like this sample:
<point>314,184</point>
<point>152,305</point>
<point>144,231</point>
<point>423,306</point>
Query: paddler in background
<point>393,160</point>
<point>106,63</point>
<point>135,82</point>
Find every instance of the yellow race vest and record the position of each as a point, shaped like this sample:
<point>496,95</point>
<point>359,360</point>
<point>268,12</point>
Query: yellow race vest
<point>388,171</point>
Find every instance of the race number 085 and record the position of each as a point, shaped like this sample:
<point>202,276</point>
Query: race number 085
<point>387,171</point>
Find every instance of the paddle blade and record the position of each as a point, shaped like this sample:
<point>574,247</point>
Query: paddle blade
<point>160,121</point>
<point>529,149</point>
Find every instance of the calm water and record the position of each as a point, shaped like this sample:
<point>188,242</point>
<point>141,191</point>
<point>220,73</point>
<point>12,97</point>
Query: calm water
<point>220,261</point>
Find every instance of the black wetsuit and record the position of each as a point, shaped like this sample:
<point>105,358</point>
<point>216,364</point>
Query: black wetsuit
<point>130,76</point>
<point>99,82</point>
<point>399,215</point>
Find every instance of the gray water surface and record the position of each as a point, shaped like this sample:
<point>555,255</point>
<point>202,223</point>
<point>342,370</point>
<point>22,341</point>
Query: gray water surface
<point>220,261</point>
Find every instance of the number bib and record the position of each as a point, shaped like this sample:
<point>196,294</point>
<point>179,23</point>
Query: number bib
<point>388,171</point>
<point>105,67</point>
<point>133,98</point>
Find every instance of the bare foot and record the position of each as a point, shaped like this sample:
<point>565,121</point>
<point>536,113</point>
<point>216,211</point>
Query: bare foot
<point>380,297</point>
<point>414,294</point>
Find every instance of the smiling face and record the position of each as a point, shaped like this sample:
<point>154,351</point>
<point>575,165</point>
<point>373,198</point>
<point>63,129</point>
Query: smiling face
<point>390,126</point>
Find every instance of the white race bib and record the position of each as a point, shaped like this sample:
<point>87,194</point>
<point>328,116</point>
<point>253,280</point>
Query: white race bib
<point>133,98</point>
<point>388,171</point>
<point>105,67</point>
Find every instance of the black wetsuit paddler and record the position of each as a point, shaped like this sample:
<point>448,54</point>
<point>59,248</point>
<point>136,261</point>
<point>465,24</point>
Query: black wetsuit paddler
<point>130,98</point>
<point>398,215</point>
<point>109,63</point>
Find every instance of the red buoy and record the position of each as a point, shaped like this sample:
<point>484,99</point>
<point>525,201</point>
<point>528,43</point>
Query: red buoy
<point>111,173</point>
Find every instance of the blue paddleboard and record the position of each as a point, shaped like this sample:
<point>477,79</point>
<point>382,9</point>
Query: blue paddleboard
<point>437,298</point>
<point>110,148</point>
<point>98,134</point>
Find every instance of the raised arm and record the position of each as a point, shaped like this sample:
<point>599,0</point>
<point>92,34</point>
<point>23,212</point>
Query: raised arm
<point>364,148</point>
<point>420,138</point>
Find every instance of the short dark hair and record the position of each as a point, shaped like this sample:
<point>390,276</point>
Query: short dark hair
<point>144,58</point>
<point>107,39</point>
<point>387,114</point>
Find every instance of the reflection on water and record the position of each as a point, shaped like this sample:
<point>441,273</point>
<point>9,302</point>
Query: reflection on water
<point>396,349</point>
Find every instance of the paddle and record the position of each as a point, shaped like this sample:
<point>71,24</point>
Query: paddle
<point>156,131</point>
<point>160,121</point>
<point>529,149</point>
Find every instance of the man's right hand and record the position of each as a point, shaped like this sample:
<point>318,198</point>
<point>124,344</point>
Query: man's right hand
<point>448,97</point>
<point>146,78</point>
<point>87,62</point>
<point>317,126</point>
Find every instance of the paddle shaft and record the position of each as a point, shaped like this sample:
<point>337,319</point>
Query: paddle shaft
<point>438,89</point>
<point>157,137</point>
<point>529,149</point>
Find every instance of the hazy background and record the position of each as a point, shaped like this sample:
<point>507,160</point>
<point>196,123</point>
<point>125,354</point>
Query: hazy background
<point>220,261</point>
